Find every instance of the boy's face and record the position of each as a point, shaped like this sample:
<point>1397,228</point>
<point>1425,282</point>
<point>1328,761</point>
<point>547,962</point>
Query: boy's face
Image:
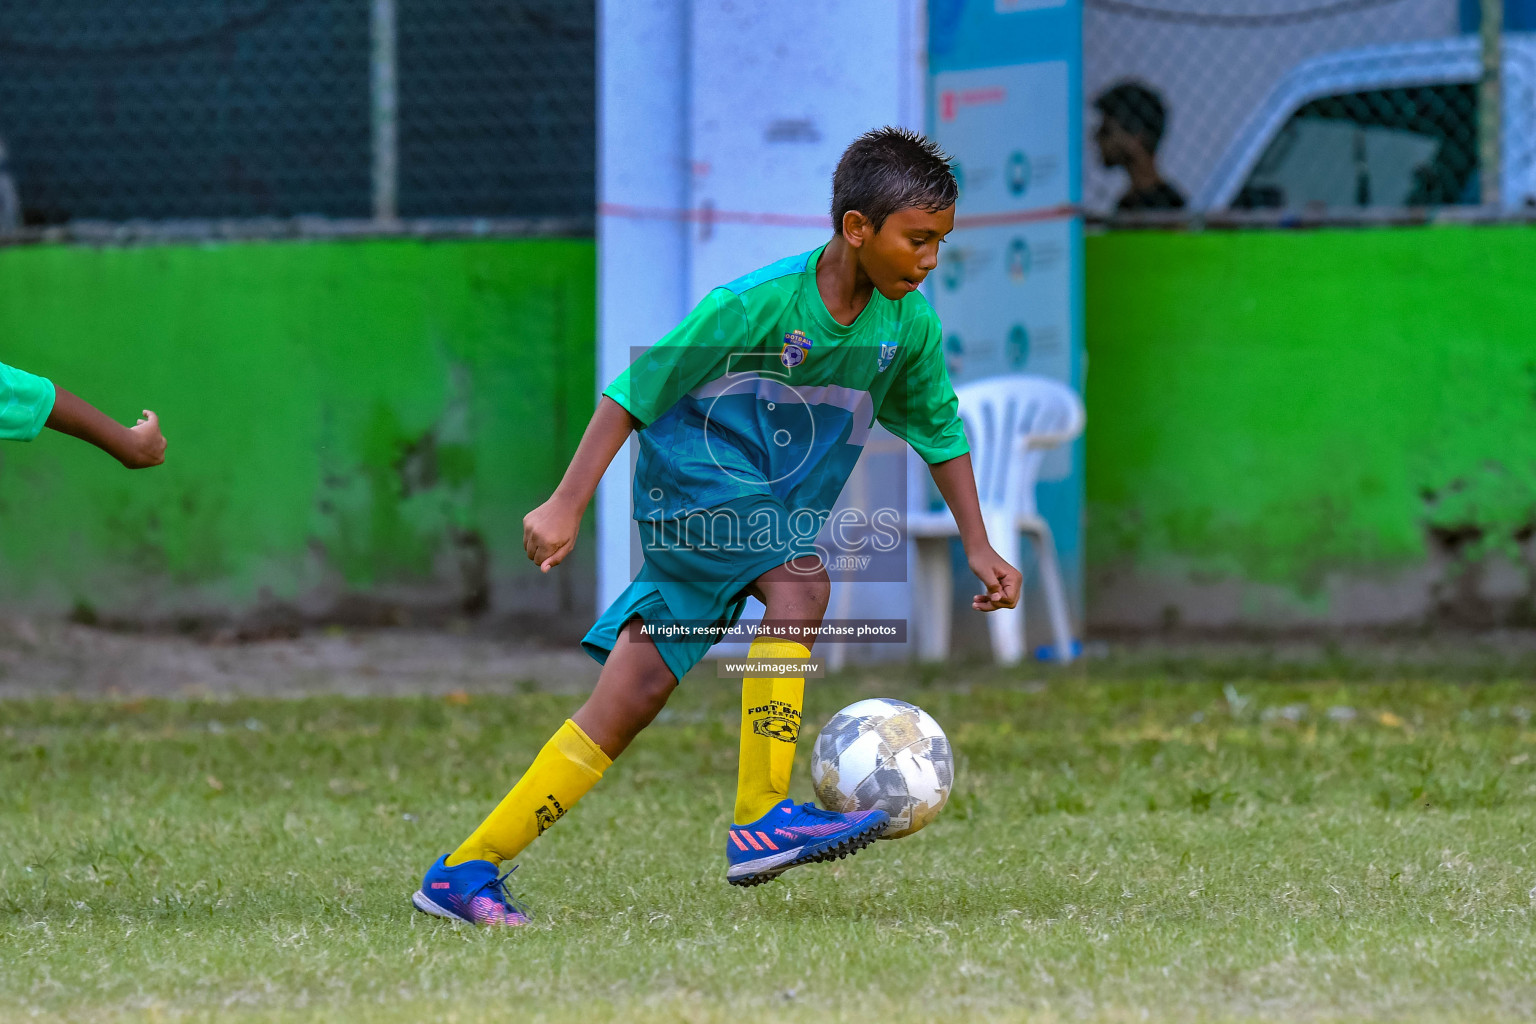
<point>905,249</point>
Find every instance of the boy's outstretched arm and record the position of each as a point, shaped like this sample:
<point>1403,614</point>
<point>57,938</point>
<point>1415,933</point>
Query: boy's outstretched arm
<point>137,447</point>
<point>957,483</point>
<point>549,531</point>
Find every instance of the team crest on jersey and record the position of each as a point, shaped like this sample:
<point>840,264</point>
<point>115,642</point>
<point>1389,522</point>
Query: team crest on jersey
<point>887,355</point>
<point>796,345</point>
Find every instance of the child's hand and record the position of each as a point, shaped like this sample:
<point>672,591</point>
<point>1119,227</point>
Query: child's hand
<point>145,445</point>
<point>549,533</point>
<point>1002,581</point>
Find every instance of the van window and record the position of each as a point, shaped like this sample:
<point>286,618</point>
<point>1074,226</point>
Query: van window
<point>1380,148</point>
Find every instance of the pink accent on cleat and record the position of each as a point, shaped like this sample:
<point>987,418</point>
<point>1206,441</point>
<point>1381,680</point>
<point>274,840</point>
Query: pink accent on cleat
<point>484,910</point>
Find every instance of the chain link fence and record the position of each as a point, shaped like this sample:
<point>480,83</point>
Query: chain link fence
<point>264,110</point>
<point>188,110</point>
<point>1273,110</point>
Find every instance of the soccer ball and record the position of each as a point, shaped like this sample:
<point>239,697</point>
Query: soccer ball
<point>886,754</point>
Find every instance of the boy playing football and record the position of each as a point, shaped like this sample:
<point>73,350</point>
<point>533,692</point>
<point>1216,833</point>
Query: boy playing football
<point>751,415</point>
<point>28,403</point>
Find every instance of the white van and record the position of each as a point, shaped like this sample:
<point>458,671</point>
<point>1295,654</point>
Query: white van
<point>1382,127</point>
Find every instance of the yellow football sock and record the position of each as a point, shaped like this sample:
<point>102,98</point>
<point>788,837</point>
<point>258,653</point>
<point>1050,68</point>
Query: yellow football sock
<point>568,766</point>
<point>770,724</point>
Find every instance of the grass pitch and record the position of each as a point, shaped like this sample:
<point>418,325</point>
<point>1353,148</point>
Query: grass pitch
<point>1130,848</point>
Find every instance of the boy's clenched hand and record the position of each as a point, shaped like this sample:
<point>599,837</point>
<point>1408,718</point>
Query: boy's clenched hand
<point>144,444</point>
<point>549,532</point>
<point>1003,581</point>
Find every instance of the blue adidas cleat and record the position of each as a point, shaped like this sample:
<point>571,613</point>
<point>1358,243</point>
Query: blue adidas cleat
<point>472,891</point>
<point>788,836</point>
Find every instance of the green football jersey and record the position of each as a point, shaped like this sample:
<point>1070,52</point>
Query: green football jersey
<point>26,400</point>
<point>761,391</point>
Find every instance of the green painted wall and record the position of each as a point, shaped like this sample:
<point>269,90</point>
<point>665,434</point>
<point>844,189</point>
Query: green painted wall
<point>1292,409</point>
<point>344,417</point>
<point>1275,417</point>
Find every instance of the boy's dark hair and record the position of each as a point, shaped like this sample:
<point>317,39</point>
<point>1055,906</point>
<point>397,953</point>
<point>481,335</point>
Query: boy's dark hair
<point>891,169</point>
<point>1137,108</point>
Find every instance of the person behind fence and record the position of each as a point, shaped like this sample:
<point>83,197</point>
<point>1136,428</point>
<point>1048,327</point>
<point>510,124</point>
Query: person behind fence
<point>28,403</point>
<point>751,414</point>
<point>1132,119</point>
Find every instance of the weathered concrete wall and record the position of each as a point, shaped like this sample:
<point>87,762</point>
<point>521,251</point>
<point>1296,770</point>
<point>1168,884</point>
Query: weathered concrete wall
<point>356,428</point>
<point>1332,427</point>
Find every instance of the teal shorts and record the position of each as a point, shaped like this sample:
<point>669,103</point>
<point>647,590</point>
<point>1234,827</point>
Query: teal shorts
<point>693,585</point>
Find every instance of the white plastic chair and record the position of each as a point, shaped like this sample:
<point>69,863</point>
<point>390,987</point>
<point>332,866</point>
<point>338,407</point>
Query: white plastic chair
<point>1011,422</point>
